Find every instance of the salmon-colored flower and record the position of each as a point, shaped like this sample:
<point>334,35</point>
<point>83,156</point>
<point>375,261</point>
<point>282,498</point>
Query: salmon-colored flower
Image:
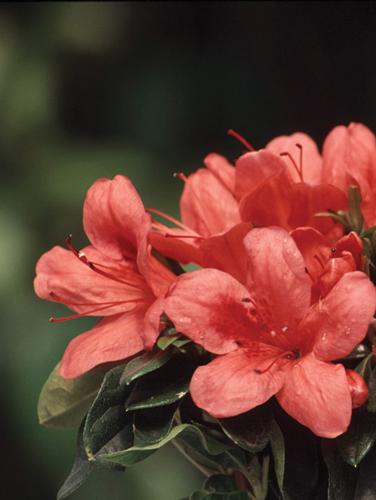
<point>115,278</point>
<point>268,337</point>
<point>327,262</point>
<point>358,388</point>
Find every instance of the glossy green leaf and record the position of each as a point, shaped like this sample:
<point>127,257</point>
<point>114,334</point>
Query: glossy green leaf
<point>146,395</point>
<point>341,476</point>
<point>106,419</point>
<point>251,431</point>
<point>144,364</point>
<point>81,469</point>
<point>220,487</point>
<point>152,425</point>
<point>63,403</point>
<point>355,443</point>
<point>187,431</point>
<point>277,443</point>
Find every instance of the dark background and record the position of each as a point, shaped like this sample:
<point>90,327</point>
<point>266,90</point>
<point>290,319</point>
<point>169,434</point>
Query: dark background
<point>144,89</point>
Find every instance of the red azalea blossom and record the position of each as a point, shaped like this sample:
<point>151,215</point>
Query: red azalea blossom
<point>268,337</point>
<point>115,278</point>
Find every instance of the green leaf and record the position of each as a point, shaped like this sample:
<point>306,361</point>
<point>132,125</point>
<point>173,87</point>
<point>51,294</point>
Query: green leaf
<point>152,425</point>
<point>220,487</point>
<point>143,364</point>
<point>81,469</point>
<point>355,443</point>
<point>187,431</point>
<point>147,395</point>
<point>341,476</point>
<point>107,424</point>
<point>63,403</point>
<point>277,443</point>
<point>366,479</point>
<point>251,431</point>
<point>166,341</point>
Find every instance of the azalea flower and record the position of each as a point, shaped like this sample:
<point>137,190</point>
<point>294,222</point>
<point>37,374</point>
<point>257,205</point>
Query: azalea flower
<point>269,339</point>
<point>326,262</point>
<point>115,278</point>
<point>348,158</point>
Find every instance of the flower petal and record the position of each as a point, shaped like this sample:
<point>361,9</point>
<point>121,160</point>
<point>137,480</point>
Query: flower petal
<point>231,384</point>
<point>227,252</point>
<point>112,339</point>
<point>311,158</point>
<point>307,201</point>
<point>62,277</point>
<point>184,250</point>
<point>114,217</point>
<point>252,169</point>
<point>206,205</point>
<point>317,395</point>
<point>277,278</point>
<point>315,249</point>
<point>211,308</point>
<point>340,321</point>
<point>350,155</point>
<point>222,169</point>
<point>269,202</point>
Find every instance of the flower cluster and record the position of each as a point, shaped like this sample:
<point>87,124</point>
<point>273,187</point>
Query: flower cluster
<point>282,295</point>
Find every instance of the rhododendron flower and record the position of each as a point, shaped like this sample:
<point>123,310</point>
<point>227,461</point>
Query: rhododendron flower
<point>115,278</point>
<point>207,208</point>
<point>268,337</point>
<point>326,262</point>
<point>348,158</point>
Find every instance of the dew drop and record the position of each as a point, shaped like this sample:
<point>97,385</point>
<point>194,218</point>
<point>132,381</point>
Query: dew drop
<point>273,333</point>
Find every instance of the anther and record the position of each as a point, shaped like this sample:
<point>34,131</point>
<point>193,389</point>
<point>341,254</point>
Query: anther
<point>181,176</point>
<point>241,139</point>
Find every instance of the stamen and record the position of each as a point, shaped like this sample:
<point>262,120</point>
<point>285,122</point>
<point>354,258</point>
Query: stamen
<point>309,274</point>
<point>241,139</point>
<point>86,313</point>
<point>288,356</point>
<point>57,298</point>
<point>179,236</point>
<point>319,261</point>
<point>300,147</point>
<point>286,153</point>
<point>94,267</point>
<point>169,218</point>
<point>181,176</point>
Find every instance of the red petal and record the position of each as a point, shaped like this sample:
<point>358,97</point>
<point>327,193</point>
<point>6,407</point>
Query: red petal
<point>252,169</point>
<point>206,205</point>
<point>277,278</point>
<point>358,388</point>
<point>230,385</point>
<point>353,244</point>
<point>211,308</point>
<point>112,339</point>
<point>312,162</point>
<point>317,395</point>
<point>315,249</point>
<point>307,201</point>
<point>184,250</point>
<point>62,277</point>
<point>227,252</point>
<point>222,169</point>
<point>334,270</point>
<point>269,203</point>
<point>340,321</point>
<point>152,324</point>
<point>115,218</point>
<point>350,154</point>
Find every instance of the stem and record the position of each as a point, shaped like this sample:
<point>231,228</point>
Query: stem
<point>198,466</point>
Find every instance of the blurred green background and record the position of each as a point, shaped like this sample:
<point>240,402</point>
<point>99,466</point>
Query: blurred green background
<point>145,89</point>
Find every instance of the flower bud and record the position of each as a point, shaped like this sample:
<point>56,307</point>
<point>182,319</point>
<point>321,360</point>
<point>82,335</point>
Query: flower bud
<point>358,388</point>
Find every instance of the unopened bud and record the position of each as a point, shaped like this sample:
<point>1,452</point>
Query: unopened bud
<point>358,388</point>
